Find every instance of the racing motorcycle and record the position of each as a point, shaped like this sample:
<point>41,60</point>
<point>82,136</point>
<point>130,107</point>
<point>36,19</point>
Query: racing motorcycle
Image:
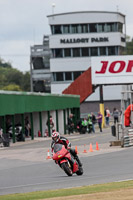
<point>66,161</point>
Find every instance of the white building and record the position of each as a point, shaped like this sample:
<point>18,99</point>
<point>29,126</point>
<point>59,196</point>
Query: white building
<point>75,38</point>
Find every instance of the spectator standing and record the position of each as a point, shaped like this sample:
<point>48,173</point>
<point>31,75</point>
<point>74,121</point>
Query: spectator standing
<point>89,123</point>
<point>99,120</point>
<point>51,121</point>
<point>93,118</point>
<point>116,115</point>
<point>27,127</point>
<point>79,125</point>
<point>8,124</point>
<point>70,124</point>
<point>84,125</point>
<point>107,116</point>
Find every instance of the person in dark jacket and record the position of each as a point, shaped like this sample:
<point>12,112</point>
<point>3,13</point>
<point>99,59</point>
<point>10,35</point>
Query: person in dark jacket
<point>116,115</point>
<point>27,127</point>
<point>93,119</point>
<point>51,123</point>
<point>99,120</point>
<point>70,124</point>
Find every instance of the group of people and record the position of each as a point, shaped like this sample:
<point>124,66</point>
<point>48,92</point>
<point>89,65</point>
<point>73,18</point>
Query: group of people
<point>87,124</point>
<point>115,115</point>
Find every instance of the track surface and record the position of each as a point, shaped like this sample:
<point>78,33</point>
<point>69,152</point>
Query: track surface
<point>24,167</point>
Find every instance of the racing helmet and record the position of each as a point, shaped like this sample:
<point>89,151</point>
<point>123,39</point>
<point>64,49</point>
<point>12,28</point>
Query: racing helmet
<point>55,136</point>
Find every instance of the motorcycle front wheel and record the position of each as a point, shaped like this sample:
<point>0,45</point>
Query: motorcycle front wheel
<point>66,169</point>
<point>80,171</point>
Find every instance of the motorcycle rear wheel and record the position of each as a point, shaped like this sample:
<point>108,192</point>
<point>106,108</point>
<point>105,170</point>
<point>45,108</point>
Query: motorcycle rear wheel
<point>67,169</point>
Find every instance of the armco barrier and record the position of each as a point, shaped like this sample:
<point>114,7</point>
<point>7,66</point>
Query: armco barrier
<point>128,139</point>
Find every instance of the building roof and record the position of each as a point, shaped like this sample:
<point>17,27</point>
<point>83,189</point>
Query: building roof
<point>27,102</point>
<point>79,12</point>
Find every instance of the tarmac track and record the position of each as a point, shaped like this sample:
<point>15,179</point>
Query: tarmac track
<point>24,167</point>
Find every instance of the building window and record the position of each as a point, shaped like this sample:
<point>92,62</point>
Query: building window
<point>76,52</point>
<point>93,28</point>
<point>58,53</point>
<point>84,28</point>
<point>102,51</point>
<point>52,29</point>
<point>38,63</point>
<point>116,50</point>
<point>101,27</point>
<point>68,76</point>
<point>94,51</point>
<point>67,52</point>
<point>110,27</point>
<point>59,76</point>
<point>53,53</point>
<point>74,28</point>
<point>123,39</point>
<point>57,29</point>
<point>66,29</point>
<point>111,51</point>
<point>76,74</point>
<point>85,52</point>
<point>120,27</point>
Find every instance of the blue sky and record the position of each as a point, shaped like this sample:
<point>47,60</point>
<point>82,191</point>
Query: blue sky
<point>24,22</point>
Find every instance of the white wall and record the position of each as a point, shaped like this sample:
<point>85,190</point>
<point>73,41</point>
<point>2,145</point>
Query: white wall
<point>61,122</point>
<point>69,64</point>
<point>114,38</point>
<point>58,88</point>
<point>44,121</point>
<point>36,124</point>
<point>111,92</point>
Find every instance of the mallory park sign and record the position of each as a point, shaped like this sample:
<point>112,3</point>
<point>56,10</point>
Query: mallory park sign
<point>84,40</point>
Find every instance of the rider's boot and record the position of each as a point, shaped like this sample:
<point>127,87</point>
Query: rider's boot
<point>79,162</point>
<point>73,152</point>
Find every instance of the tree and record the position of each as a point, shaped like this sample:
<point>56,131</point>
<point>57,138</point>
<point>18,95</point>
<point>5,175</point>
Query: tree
<point>5,64</point>
<point>13,79</point>
<point>128,50</point>
<point>14,76</point>
<point>25,84</point>
<point>12,87</point>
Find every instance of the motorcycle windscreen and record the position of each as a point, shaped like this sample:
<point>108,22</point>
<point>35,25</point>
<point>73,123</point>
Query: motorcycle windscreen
<point>57,147</point>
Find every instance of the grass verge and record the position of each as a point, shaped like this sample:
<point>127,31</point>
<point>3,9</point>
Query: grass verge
<point>70,192</point>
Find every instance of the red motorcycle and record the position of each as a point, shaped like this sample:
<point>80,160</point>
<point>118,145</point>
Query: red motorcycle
<point>66,161</point>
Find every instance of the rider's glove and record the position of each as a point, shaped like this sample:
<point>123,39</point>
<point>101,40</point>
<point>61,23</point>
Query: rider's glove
<point>68,148</point>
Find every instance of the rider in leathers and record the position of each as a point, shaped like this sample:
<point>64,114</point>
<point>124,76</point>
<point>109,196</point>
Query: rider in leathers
<point>56,138</point>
